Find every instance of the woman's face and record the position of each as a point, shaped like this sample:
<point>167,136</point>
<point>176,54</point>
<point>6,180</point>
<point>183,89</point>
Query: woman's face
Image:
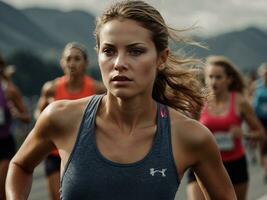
<point>73,62</point>
<point>216,79</point>
<point>127,58</point>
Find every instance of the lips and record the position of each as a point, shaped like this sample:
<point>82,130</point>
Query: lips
<point>120,78</point>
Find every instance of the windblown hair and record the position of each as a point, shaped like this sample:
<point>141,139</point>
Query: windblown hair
<point>230,70</point>
<point>175,84</point>
<point>76,45</point>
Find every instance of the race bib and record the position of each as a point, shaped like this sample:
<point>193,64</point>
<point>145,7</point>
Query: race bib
<point>2,116</point>
<point>224,141</point>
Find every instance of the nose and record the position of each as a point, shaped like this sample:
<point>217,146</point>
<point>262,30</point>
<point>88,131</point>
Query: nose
<point>72,63</point>
<point>120,62</point>
<point>212,81</point>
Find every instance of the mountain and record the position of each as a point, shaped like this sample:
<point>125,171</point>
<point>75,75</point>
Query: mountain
<point>46,31</point>
<point>19,32</point>
<point>65,27</point>
<point>246,48</point>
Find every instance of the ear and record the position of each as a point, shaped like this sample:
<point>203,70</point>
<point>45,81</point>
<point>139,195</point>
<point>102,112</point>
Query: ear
<point>163,57</point>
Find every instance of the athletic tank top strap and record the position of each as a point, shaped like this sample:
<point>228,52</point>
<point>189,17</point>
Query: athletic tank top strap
<point>85,127</point>
<point>89,175</point>
<point>232,108</point>
<point>164,129</point>
<point>61,92</point>
<point>88,121</point>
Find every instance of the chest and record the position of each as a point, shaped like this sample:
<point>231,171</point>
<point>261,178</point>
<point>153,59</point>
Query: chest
<point>96,173</point>
<point>109,162</point>
<point>124,146</point>
<point>222,121</point>
<point>218,109</point>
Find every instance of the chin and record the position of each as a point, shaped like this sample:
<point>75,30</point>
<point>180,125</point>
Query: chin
<point>123,94</point>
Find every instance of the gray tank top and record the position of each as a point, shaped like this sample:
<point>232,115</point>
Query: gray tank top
<point>89,175</point>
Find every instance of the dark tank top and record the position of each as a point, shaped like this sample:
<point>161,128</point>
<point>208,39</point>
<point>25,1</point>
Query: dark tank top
<point>89,175</point>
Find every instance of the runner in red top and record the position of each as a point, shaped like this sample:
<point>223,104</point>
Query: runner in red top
<point>61,92</point>
<point>75,84</point>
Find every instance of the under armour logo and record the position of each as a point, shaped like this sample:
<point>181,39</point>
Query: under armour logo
<point>162,172</point>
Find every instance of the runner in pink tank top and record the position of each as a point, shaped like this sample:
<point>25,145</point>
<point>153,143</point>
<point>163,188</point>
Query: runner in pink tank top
<point>223,114</point>
<point>231,148</point>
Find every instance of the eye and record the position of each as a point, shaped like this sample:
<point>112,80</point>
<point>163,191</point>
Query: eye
<point>108,51</point>
<point>136,51</point>
<point>219,77</point>
<point>77,58</point>
<point>67,59</point>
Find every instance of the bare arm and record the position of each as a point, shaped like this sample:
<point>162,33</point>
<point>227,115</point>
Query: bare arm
<point>16,104</point>
<point>195,148</point>
<point>36,146</point>
<point>210,170</point>
<point>256,131</point>
<point>251,90</point>
<point>46,97</point>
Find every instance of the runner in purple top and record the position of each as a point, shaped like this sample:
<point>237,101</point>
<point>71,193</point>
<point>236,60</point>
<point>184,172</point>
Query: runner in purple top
<point>11,105</point>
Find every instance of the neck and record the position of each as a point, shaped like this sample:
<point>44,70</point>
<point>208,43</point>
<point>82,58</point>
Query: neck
<point>221,97</point>
<point>74,82</point>
<point>129,114</point>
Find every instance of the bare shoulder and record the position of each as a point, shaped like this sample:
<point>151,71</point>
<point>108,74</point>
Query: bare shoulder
<point>192,142</point>
<point>49,88</point>
<point>242,103</point>
<point>189,132</point>
<point>62,111</point>
<point>11,88</point>
<point>241,98</point>
<point>12,91</point>
<point>61,119</point>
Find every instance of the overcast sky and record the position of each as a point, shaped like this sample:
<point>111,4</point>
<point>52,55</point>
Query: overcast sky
<point>212,16</point>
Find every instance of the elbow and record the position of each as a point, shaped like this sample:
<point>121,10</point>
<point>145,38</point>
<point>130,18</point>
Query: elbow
<point>13,165</point>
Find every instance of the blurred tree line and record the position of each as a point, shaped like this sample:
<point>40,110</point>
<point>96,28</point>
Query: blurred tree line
<point>32,71</point>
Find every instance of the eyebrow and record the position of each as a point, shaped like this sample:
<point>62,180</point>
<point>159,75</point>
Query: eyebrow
<point>129,45</point>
